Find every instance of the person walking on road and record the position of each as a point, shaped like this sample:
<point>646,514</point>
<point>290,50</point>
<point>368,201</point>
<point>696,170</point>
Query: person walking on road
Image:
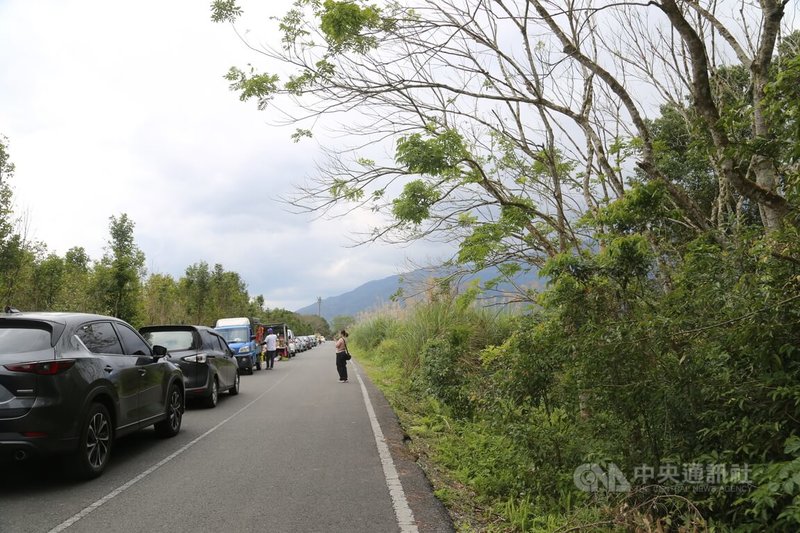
<point>342,355</point>
<point>271,346</point>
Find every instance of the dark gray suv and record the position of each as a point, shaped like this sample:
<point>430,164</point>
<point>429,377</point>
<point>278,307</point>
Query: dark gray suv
<point>71,383</point>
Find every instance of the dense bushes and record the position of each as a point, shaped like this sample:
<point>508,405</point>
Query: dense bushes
<point>686,363</point>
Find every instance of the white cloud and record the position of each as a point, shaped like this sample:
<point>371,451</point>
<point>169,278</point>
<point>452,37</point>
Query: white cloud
<point>117,108</point>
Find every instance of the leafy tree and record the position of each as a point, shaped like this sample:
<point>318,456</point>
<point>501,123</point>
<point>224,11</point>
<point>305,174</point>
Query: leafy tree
<point>162,301</point>
<point>195,286</point>
<point>12,249</point>
<point>118,276</point>
<point>228,293</point>
<point>316,325</point>
<point>76,281</point>
<point>494,150</point>
<point>48,279</point>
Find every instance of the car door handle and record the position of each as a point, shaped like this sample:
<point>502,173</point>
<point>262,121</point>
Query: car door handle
<point>142,371</point>
<point>109,368</point>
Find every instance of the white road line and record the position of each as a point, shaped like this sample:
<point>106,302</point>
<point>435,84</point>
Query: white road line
<point>119,490</point>
<point>405,518</point>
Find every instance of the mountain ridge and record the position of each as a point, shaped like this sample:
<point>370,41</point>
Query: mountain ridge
<point>377,293</point>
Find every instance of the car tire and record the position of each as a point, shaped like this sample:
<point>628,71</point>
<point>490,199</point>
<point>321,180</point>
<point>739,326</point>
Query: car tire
<point>211,400</point>
<point>95,444</point>
<point>234,390</point>
<point>171,425</point>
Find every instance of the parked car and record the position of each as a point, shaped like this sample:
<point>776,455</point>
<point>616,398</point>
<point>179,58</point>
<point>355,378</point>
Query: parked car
<point>204,356</point>
<point>72,383</point>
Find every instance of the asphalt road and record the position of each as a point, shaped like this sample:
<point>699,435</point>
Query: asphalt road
<point>295,451</point>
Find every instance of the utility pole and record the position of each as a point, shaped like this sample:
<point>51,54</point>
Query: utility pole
<point>319,306</point>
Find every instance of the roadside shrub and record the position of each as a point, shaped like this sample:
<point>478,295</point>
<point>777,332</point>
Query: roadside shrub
<point>371,332</point>
<point>491,464</point>
<point>443,374</point>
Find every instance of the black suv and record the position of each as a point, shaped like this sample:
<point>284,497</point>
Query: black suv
<point>71,383</point>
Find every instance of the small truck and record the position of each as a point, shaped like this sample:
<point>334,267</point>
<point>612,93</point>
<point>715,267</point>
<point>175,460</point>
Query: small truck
<point>240,334</point>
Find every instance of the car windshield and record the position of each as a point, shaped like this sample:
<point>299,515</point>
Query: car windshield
<point>171,340</point>
<point>15,339</point>
<point>234,334</point>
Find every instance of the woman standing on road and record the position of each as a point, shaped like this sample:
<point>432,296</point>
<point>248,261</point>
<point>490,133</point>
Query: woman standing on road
<point>342,356</point>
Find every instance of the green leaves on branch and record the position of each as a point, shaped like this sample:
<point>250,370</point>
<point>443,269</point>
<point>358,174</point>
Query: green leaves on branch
<point>414,204</point>
<point>439,155</point>
<point>345,24</point>
<point>259,86</point>
<point>484,241</point>
<point>341,189</point>
<point>642,206</point>
<point>298,84</point>
<point>225,11</point>
<point>300,133</point>
<point>623,260</point>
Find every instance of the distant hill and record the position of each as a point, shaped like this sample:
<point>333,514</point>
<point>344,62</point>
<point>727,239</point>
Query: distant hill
<point>377,293</point>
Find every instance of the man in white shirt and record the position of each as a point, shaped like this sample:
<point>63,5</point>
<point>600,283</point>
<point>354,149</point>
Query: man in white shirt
<point>271,345</point>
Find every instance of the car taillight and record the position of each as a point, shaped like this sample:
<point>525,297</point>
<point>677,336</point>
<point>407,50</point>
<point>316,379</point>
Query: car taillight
<point>42,368</point>
<point>199,358</point>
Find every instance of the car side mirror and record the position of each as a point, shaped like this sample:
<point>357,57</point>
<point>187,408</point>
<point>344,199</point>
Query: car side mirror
<point>159,351</point>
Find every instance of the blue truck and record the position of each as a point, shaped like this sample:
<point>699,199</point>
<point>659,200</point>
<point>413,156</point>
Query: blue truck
<point>240,333</point>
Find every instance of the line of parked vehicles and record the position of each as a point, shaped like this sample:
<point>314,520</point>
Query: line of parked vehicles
<point>71,383</point>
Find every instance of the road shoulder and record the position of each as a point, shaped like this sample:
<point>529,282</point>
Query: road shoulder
<point>429,513</point>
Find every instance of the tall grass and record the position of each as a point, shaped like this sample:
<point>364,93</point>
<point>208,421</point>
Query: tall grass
<point>426,359</point>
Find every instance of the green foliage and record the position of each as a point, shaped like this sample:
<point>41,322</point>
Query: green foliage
<point>373,331</point>
<point>260,86</point>
<point>12,250</point>
<point>225,11</point>
<point>643,208</point>
<point>341,189</point>
<point>776,497</point>
<point>346,25</point>
<point>480,244</point>
<point>635,359</point>
<point>782,102</point>
<point>414,203</point>
<point>118,276</point>
<point>443,373</point>
<point>438,155</point>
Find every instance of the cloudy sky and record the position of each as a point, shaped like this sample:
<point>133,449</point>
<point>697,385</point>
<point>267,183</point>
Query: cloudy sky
<point>121,107</point>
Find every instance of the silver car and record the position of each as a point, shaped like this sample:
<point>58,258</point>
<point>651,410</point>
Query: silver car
<point>71,383</point>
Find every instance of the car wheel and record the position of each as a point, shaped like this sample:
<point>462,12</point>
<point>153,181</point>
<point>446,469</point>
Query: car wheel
<point>171,425</point>
<point>96,441</point>
<point>250,370</point>
<point>233,391</point>
<point>212,399</point>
